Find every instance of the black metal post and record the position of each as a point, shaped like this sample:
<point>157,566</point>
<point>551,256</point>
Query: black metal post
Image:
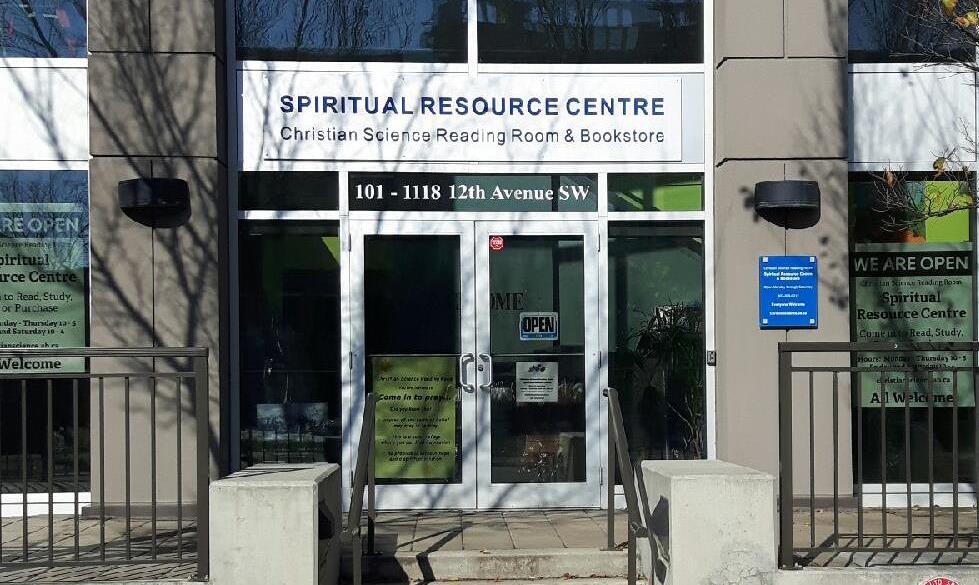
<point>786,558</point>
<point>203,461</point>
<point>371,490</point>
<point>610,479</point>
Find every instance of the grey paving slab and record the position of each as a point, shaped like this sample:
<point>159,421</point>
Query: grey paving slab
<point>577,531</point>
<point>395,536</point>
<point>530,515</point>
<point>493,530</point>
<point>533,534</point>
<point>822,527</point>
<point>436,537</point>
<point>438,531</point>
<point>486,533</point>
<point>167,566</point>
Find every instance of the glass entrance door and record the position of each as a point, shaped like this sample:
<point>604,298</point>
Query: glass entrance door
<point>479,342</point>
<point>537,361</point>
<point>411,323</point>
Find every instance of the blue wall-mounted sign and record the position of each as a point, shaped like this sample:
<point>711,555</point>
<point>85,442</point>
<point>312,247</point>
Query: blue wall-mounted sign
<point>788,292</point>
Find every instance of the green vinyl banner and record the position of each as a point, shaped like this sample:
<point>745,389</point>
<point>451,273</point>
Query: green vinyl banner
<point>43,266</point>
<point>415,432</point>
<point>914,293</point>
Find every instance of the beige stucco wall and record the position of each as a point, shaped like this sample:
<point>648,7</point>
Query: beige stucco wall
<point>156,79</point>
<point>781,111</point>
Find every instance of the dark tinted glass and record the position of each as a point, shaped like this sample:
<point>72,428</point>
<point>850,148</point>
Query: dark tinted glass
<point>412,315</point>
<point>289,343</point>
<point>425,31</point>
<point>591,31</point>
<point>537,408</point>
<point>903,31</point>
<point>287,190</point>
<point>656,328</point>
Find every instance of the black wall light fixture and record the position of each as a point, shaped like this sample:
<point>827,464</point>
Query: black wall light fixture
<point>789,204</point>
<point>155,202</point>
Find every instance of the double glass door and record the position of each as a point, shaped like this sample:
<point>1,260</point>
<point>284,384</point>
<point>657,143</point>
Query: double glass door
<point>479,342</point>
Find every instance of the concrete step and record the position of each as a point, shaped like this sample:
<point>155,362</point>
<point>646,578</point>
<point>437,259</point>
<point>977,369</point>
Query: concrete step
<point>587,581</point>
<point>491,565</point>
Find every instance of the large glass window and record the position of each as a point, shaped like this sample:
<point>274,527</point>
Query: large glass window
<point>44,231</point>
<point>591,31</point>
<point>426,31</point>
<point>656,337</point>
<point>42,28</point>
<point>903,31</point>
<point>912,280</point>
<point>289,278</point>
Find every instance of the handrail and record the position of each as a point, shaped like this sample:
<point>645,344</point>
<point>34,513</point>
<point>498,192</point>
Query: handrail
<point>189,375</point>
<point>825,390</point>
<point>363,477</point>
<point>618,452</point>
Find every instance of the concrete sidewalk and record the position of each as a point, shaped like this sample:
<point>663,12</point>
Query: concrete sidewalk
<point>429,532</point>
<point>116,568</point>
<point>494,545</point>
<point>406,535</point>
<point>824,534</point>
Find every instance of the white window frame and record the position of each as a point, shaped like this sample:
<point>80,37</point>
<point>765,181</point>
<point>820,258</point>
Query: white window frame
<point>472,66</point>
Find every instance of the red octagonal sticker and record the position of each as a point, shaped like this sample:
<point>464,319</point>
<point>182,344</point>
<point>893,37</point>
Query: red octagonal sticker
<point>496,243</point>
<point>940,581</point>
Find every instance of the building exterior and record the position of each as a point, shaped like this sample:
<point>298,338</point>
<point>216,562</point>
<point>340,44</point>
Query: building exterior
<point>484,212</point>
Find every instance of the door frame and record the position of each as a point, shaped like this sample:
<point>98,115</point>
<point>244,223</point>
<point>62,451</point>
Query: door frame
<point>412,496</point>
<point>587,494</point>
<point>344,218</point>
<point>476,491</point>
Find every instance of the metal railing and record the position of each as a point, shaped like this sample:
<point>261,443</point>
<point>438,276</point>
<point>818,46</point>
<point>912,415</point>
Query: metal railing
<point>618,452</point>
<point>363,478</point>
<point>64,376</point>
<point>855,389</point>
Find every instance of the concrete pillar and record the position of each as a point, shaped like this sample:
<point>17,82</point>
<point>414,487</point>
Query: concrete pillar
<point>276,523</point>
<point>157,109</point>
<point>781,113</point>
<point>712,522</point>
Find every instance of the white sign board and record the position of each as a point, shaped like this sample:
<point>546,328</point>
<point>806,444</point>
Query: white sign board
<point>537,382</point>
<point>452,117</point>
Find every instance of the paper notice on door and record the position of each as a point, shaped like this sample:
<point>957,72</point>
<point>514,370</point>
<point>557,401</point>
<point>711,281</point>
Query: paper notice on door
<point>537,382</point>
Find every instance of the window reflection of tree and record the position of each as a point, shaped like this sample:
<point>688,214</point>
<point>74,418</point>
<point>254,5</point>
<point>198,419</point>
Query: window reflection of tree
<point>899,30</point>
<point>346,28</point>
<point>595,30</point>
<point>42,28</point>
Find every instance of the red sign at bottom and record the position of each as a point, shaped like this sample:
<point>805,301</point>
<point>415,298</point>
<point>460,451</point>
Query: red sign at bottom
<point>940,581</point>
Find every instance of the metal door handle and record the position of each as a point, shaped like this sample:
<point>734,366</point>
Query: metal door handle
<point>489,371</point>
<point>464,360</point>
